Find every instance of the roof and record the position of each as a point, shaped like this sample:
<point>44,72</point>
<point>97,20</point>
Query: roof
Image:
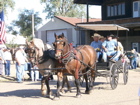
<point>102,27</point>
<point>91,2</point>
<point>74,20</point>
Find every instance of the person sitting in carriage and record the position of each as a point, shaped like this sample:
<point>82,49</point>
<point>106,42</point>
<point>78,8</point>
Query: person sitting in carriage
<point>97,45</point>
<point>109,47</point>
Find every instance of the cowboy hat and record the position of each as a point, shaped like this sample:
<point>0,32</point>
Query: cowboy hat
<point>96,35</point>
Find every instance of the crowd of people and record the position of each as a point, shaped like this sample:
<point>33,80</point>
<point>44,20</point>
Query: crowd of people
<point>110,48</point>
<point>22,64</point>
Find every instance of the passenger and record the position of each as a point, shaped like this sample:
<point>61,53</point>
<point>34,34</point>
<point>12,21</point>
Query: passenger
<point>120,46</point>
<point>109,47</point>
<point>102,39</point>
<point>97,45</point>
<point>104,58</point>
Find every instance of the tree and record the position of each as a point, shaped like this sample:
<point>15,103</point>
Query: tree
<point>5,4</point>
<point>63,8</point>
<point>24,23</point>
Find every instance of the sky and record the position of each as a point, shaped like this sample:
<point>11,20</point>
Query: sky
<point>94,11</point>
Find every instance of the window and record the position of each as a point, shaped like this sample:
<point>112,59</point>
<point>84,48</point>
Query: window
<point>119,9</point>
<point>108,11</point>
<point>123,9</point>
<point>115,10</point>
<point>135,6</point>
<point>112,10</point>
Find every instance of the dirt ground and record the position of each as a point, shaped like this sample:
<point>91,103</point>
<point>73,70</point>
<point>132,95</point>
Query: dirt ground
<point>28,92</point>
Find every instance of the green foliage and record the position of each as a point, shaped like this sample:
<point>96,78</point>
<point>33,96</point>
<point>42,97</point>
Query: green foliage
<point>63,8</point>
<point>5,4</point>
<point>24,23</point>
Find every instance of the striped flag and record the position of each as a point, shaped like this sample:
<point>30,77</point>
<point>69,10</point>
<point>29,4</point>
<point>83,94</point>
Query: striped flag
<point>2,28</point>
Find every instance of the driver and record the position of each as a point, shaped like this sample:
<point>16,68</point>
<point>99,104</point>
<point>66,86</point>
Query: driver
<point>97,45</point>
<point>109,47</point>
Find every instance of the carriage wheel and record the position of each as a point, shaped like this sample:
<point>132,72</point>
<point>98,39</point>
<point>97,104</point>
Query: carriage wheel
<point>114,76</point>
<point>125,73</point>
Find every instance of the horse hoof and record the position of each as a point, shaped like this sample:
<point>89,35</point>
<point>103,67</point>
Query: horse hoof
<point>69,91</point>
<point>78,96</point>
<point>87,92</point>
<point>43,93</point>
<point>62,92</point>
<point>56,98</point>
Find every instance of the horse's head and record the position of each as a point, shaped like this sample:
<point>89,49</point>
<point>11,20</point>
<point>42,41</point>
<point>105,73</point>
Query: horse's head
<point>31,52</point>
<point>60,45</point>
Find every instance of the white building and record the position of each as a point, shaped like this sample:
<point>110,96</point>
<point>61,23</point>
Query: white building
<point>13,39</point>
<point>61,25</point>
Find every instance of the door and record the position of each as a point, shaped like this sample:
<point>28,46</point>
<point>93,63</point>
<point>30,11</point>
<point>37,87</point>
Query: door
<point>136,9</point>
<point>135,46</point>
<point>50,35</point>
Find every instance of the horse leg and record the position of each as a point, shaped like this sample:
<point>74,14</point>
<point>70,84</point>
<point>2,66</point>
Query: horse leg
<point>59,85</point>
<point>65,80</point>
<point>44,82</point>
<point>77,83</point>
<point>68,84</point>
<point>87,91</point>
<point>43,87</point>
<point>49,92</point>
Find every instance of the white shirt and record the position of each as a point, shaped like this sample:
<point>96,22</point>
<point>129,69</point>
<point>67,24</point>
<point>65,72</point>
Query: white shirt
<point>7,55</point>
<point>20,57</point>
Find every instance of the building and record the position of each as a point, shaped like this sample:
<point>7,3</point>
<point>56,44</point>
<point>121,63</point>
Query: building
<point>61,25</point>
<point>124,13</point>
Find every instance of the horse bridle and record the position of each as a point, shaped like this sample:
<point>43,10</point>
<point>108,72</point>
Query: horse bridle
<point>32,54</point>
<point>59,41</point>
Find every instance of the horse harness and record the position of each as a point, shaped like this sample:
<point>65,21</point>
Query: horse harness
<point>72,54</point>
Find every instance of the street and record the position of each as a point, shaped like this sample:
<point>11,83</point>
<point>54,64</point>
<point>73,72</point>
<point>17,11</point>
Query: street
<point>28,92</point>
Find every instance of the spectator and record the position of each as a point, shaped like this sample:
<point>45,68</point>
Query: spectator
<point>20,62</point>
<point>8,58</point>
<point>131,56</point>
<point>2,61</point>
<point>35,73</point>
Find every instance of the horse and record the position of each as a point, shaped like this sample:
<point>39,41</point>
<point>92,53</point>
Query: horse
<point>36,52</point>
<point>76,60</point>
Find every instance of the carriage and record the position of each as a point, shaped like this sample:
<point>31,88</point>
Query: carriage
<point>110,69</point>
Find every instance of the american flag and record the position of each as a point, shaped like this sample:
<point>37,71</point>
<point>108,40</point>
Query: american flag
<point>2,28</point>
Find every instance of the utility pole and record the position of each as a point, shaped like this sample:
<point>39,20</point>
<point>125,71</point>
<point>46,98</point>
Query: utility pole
<point>33,32</point>
<point>87,11</point>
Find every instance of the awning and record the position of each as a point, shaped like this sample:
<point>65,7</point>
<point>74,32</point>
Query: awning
<point>102,27</point>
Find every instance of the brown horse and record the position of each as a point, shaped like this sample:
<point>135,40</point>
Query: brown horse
<point>35,50</point>
<point>76,60</point>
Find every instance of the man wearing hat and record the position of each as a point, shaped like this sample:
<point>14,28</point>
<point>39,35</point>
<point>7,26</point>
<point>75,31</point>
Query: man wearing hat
<point>97,45</point>
<point>20,63</point>
<point>109,47</point>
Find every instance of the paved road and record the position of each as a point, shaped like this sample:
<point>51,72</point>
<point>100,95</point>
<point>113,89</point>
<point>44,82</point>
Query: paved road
<point>28,93</point>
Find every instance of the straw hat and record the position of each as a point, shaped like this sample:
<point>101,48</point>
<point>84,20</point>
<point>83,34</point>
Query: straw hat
<point>96,35</point>
<point>102,37</point>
